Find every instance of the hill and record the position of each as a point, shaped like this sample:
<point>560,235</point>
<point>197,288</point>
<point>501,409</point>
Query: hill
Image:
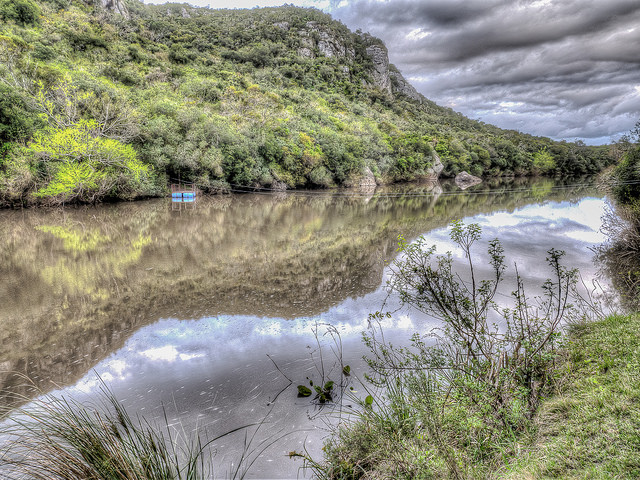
<point>113,99</point>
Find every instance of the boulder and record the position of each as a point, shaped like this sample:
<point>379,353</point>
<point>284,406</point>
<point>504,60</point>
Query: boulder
<point>465,180</point>
<point>368,179</point>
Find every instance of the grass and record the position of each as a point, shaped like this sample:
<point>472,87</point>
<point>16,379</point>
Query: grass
<point>591,428</point>
<point>588,428</point>
<point>60,439</point>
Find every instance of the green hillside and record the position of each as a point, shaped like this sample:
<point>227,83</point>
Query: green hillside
<point>96,104</point>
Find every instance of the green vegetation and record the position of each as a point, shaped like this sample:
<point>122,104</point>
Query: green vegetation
<point>476,401</point>
<point>590,429</point>
<point>627,178</point>
<point>66,440</point>
<point>620,256</point>
<point>457,402</point>
<point>224,98</point>
<point>481,402</point>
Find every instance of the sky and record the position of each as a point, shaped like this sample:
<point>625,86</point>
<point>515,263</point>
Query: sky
<point>565,69</point>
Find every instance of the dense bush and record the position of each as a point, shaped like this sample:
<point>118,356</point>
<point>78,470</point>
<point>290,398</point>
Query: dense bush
<point>18,121</point>
<point>627,178</point>
<point>24,12</point>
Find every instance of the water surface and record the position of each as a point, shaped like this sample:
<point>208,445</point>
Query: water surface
<point>178,309</point>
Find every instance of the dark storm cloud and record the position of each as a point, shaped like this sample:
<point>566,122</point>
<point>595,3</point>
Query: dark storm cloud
<point>562,68</point>
<point>447,14</point>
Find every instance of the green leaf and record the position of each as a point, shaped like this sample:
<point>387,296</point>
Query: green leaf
<point>346,370</point>
<point>303,391</point>
<point>328,386</point>
<point>368,401</point>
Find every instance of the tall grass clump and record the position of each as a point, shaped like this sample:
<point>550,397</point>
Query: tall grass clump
<point>457,402</point>
<point>61,439</point>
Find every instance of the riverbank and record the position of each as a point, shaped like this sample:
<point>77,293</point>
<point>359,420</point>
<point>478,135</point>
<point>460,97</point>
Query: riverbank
<point>588,428</point>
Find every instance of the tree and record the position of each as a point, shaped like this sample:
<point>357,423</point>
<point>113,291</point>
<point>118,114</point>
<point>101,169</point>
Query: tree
<point>543,162</point>
<point>77,164</point>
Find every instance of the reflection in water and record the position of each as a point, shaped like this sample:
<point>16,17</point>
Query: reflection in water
<point>619,256</point>
<point>87,287</point>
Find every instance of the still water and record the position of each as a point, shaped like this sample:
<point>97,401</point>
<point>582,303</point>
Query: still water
<point>213,314</point>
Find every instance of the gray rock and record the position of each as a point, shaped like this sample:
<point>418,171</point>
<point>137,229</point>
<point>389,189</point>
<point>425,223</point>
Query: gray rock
<point>278,186</point>
<point>329,46</point>
<point>282,25</point>
<point>401,86</point>
<point>315,38</point>
<point>380,73</point>
<point>306,52</point>
<point>116,6</point>
<point>465,180</point>
<point>368,179</point>
<point>436,167</point>
<point>185,14</point>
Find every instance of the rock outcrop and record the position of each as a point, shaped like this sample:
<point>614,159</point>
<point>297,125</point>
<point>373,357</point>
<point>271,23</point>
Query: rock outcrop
<point>436,167</point>
<point>115,6</point>
<point>380,73</point>
<point>465,180</point>
<point>315,37</point>
<point>368,179</point>
<point>401,86</point>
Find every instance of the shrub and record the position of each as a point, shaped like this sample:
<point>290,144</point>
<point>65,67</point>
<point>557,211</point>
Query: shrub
<point>458,400</point>
<point>627,177</point>
<point>63,439</point>
<point>24,12</point>
<point>78,165</point>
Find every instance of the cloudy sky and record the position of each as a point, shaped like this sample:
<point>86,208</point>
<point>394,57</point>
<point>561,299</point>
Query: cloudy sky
<point>567,69</point>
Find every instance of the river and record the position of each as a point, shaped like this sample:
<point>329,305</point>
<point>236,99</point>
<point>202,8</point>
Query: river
<point>215,312</point>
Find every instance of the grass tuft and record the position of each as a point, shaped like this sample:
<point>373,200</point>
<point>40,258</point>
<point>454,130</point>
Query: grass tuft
<point>61,439</point>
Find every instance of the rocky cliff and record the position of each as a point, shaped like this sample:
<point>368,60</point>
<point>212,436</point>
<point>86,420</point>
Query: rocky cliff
<point>115,6</point>
<point>315,40</point>
<point>318,40</point>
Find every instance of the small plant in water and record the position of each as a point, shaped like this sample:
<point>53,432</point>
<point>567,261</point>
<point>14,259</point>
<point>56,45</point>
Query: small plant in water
<point>324,393</point>
<point>56,438</point>
<point>326,390</point>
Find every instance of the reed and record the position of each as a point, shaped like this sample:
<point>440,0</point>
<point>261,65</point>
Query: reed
<point>56,438</point>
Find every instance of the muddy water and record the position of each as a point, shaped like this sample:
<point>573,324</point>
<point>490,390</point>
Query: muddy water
<point>207,313</point>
